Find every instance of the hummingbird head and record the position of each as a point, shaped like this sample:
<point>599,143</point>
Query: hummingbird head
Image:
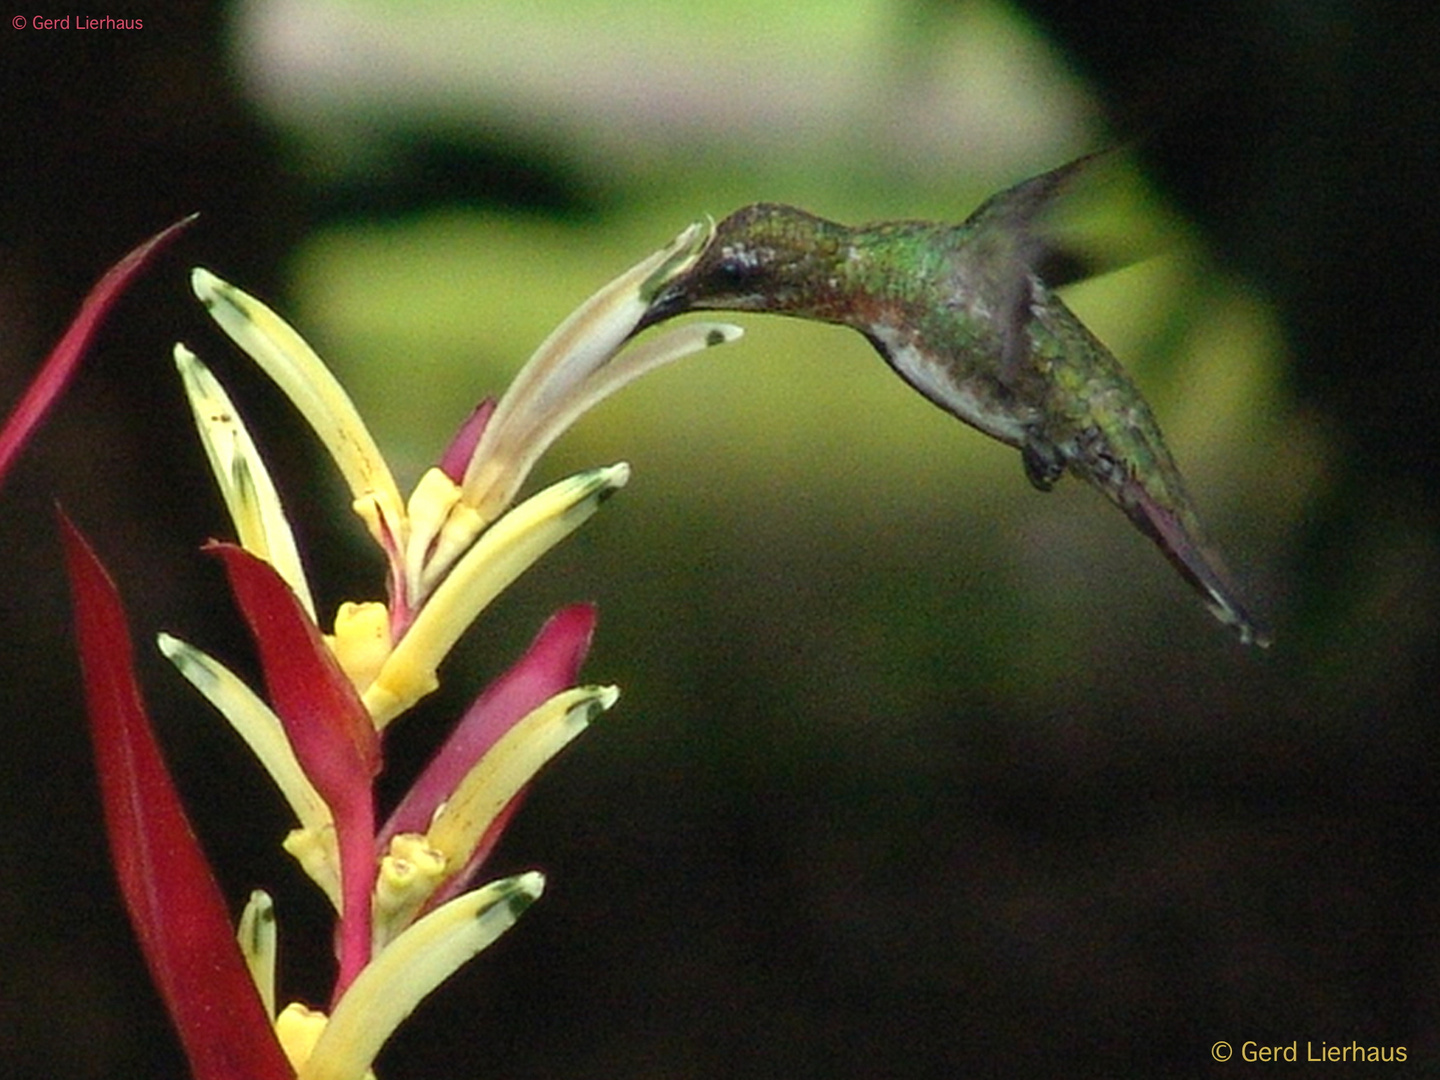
<point>761,258</point>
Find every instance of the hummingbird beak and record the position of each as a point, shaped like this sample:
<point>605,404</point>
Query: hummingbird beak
<point>674,299</point>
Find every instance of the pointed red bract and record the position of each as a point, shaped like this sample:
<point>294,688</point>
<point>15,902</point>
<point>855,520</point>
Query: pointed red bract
<point>54,375</point>
<point>173,900</point>
<point>328,727</point>
<point>324,717</point>
<point>456,458</point>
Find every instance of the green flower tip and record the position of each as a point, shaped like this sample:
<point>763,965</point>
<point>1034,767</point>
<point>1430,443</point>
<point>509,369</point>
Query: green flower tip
<point>212,291</point>
<point>206,286</point>
<point>608,479</point>
<point>600,700</point>
<point>185,661</point>
<point>263,907</point>
<point>520,891</point>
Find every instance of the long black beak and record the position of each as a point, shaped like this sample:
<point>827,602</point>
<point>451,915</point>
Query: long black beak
<point>669,302</point>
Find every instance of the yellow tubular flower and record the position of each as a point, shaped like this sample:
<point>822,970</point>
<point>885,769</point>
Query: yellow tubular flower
<point>420,959</point>
<point>410,872</point>
<point>502,553</point>
<point>284,355</point>
<point>257,938</point>
<point>250,497</point>
<point>256,723</point>
<point>361,642</point>
<point>509,765</point>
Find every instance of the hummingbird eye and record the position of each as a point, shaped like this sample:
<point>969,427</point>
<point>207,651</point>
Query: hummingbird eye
<point>737,264</point>
<point>739,269</point>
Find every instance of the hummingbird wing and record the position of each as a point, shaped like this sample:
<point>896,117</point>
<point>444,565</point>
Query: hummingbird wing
<point>1005,234</point>
<point>1016,208</point>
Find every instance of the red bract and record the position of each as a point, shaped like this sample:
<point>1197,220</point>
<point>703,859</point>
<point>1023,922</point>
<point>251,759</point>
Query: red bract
<point>462,447</point>
<point>328,727</point>
<point>60,365</point>
<point>174,903</point>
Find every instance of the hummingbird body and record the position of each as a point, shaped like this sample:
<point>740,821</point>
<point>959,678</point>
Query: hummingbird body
<point>961,315</point>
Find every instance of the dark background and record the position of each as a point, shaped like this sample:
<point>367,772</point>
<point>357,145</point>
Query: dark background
<point>813,848</point>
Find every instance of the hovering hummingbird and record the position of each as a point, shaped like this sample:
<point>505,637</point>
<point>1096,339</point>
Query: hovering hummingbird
<point>961,314</point>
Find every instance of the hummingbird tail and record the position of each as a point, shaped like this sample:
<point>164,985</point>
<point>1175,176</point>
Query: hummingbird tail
<point>1199,567</point>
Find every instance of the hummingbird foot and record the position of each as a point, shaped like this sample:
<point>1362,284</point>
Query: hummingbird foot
<point>1044,463</point>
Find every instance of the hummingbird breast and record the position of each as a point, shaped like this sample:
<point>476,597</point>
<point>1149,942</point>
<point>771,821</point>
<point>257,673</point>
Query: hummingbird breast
<point>952,380</point>
<point>945,319</point>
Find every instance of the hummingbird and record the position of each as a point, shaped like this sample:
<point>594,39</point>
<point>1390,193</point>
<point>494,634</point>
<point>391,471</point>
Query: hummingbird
<point>961,313</point>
